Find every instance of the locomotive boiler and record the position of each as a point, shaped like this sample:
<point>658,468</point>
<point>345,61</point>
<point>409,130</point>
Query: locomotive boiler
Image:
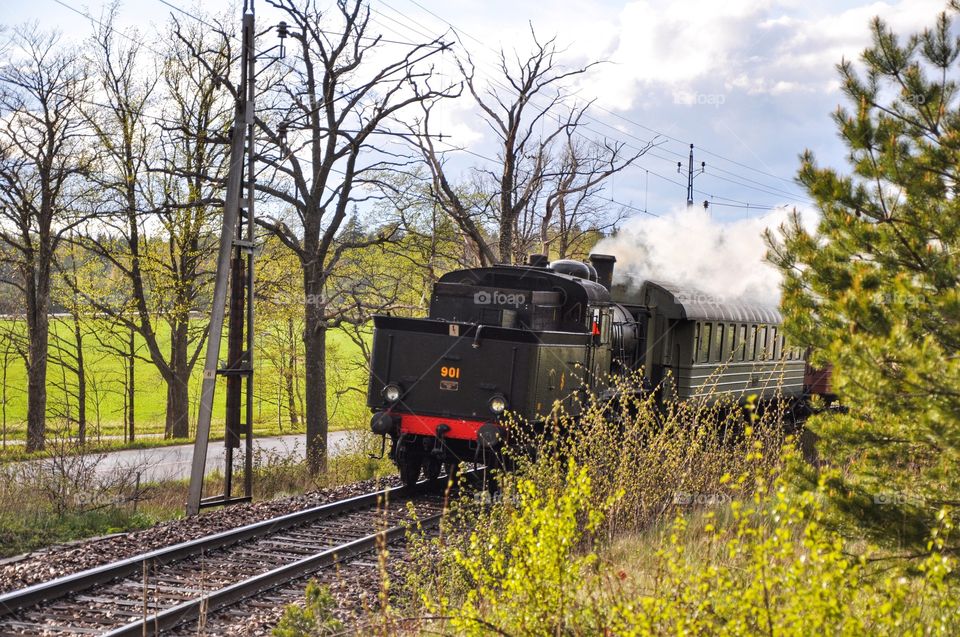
<point>521,339</point>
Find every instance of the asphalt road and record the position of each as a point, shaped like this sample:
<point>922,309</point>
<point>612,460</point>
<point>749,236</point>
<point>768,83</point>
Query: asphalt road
<point>173,463</point>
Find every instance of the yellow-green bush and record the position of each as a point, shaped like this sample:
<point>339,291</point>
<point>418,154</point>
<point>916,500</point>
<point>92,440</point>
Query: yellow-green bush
<point>769,568</point>
<point>525,579</point>
<point>588,537</point>
<point>314,619</point>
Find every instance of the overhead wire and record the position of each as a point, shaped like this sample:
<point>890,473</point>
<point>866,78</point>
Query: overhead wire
<point>613,113</point>
<point>421,33</point>
<point>759,186</point>
<point>186,13</point>
<point>767,188</point>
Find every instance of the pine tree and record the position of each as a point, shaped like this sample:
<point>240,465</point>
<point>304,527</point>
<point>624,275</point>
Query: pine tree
<point>874,288</point>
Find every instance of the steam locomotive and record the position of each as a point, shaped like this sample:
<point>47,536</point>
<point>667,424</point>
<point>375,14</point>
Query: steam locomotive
<point>522,338</point>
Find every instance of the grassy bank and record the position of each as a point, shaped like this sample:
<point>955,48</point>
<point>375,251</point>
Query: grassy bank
<point>105,399</point>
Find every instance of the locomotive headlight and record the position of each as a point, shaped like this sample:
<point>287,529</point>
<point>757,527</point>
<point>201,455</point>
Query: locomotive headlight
<point>498,404</point>
<point>392,393</point>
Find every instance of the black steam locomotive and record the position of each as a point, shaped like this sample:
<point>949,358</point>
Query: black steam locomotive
<point>520,339</point>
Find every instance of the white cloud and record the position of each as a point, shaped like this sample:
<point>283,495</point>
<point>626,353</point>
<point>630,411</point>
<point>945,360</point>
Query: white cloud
<point>761,47</point>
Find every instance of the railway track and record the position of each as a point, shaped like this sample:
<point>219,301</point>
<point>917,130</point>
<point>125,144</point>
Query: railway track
<point>161,590</point>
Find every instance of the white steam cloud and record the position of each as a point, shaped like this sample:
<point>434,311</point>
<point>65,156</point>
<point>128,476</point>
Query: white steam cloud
<point>692,250</point>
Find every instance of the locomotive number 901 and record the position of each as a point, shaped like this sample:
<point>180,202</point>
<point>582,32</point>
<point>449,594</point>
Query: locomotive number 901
<point>450,372</point>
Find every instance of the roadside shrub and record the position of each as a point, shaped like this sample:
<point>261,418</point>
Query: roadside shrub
<point>525,576</point>
<point>66,495</point>
<point>656,458</point>
<point>314,619</point>
<point>764,565</point>
<point>772,568</point>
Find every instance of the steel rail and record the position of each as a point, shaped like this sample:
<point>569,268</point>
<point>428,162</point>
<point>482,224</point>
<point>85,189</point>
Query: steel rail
<point>83,580</point>
<point>192,610</point>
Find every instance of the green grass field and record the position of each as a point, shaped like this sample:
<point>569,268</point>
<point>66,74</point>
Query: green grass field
<point>105,374</point>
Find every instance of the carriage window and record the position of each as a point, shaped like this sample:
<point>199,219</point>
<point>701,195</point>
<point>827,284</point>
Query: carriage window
<point>758,342</point>
<point>704,353</point>
<point>774,344</point>
<point>752,344</point>
<point>696,341</point>
<point>730,346</point>
<point>668,340</point>
<point>716,350</point>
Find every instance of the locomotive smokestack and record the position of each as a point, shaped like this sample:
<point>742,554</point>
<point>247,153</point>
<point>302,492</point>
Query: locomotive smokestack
<point>603,264</point>
<point>538,260</point>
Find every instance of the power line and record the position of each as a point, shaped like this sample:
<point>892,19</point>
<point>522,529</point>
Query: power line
<point>759,187</point>
<point>766,188</point>
<point>612,113</point>
<point>433,37</point>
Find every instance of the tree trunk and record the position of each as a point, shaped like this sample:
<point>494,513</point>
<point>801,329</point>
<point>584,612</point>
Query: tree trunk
<point>38,333</point>
<point>3,387</point>
<point>289,372</point>
<point>131,378</point>
<point>506,238</point>
<point>178,384</point>
<point>315,363</point>
<point>81,383</point>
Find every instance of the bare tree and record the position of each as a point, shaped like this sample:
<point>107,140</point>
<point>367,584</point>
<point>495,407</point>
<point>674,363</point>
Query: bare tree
<point>280,312</point>
<point>13,348</point>
<point>70,332</point>
<point>162,172</point>
<point>44,153</point>
<point>575,207</point>
<point>524,106</point>
<point>327,132</point>
<point>115,338</point>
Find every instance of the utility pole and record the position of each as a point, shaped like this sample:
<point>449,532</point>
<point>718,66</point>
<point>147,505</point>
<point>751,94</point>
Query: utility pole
<point>690,175</point>
<point>234,267</point>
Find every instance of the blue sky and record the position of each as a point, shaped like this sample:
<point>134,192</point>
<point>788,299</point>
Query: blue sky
<point>751,84</point>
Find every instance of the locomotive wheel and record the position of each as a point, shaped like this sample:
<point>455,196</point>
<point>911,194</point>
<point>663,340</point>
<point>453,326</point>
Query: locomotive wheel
<point>410,466</point>
<point>431,468</point>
